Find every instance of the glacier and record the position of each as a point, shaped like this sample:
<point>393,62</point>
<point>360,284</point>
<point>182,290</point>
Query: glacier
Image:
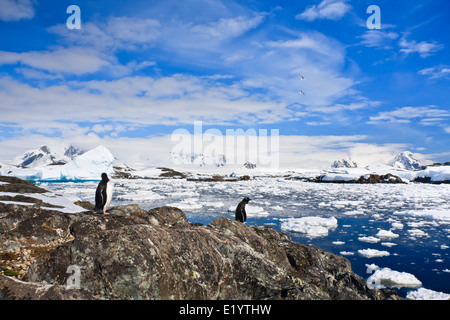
<point>88,166</point>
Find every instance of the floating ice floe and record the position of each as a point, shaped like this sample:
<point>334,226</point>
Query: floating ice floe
<point>372,253</point>
<point>369,239</point>
<point>386,234</point>
<point>427,294</point>
<point>218,204</point>
<point>387,277</point>
<point>255,211</point>
<point>354,213</point>
<point>397,225</point>
<point>417,233</point>
<point>187,204</point>
<point>388,244</point>
<point>311,226</point>
<point>252,211</point>
<point>140,196</point>
<point>443,215</point>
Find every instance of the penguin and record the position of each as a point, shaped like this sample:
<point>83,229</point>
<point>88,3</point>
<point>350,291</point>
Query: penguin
<point>241,215</point>
<point>103,194</point>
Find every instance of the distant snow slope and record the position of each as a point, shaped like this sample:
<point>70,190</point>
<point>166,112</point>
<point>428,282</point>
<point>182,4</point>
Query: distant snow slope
<point>344,163</point>
<point>47,156</point>
<point>406,160</point>
<point>88,166</point>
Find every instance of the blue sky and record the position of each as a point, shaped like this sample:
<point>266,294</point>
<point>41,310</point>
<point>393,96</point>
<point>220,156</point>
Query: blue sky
<point>138,70</point>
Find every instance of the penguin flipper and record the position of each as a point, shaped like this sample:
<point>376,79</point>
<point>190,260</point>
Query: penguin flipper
<point>99,197</point>
<point>104,198</point>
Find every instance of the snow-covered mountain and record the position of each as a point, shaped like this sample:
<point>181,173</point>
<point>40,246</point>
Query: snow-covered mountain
<point>344,163</point>
<point>198,159</point>
<point>45,156</point>
<point>87,166</point>
<point>406,160</point>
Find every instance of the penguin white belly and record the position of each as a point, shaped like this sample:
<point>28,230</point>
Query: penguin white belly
<point>109,190</point>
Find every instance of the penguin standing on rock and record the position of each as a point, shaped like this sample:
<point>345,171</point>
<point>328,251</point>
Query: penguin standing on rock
<point>241,215</point>
<point>103,194</point>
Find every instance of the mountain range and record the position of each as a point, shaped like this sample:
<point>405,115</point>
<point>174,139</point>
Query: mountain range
<point>59,155</point>
<point>404,160</point>
<point>44,156</point>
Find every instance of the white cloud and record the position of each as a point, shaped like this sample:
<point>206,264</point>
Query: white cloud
<point>379,39</point>
<point>140,100</point>
<point>116,33</point>
<point>228,28</point>
<point>437,72</point>
<point>327,9</point>
<point>314,152</point>
<point>76,61</point>
<point>320,151</point>
<point>351,106</point>
<point>424,48</point>
<point>14,10</point>
<point>426,114</point>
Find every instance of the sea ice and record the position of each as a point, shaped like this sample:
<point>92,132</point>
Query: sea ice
<point>354,212</point>
<point>140,196</point>
<point>443,215</point>
<point>311,226</point>
<point>369,239</point>
<point>388,244</point>
<point>382,277</point>
<point>386,234</point>
<point>427,294</point>
<point>417,233</point>
<point>372,253</point>
<point>187,204</point>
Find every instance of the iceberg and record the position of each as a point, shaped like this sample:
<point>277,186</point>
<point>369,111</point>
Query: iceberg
<point>427,294</point>
<point>88,166</point>
<point>387,277</point>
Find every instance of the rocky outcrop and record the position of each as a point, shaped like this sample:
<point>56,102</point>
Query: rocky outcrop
<point>159,254</point>
<point>365,179</point>
<point>14,289</point>
<point>13,184</point>
<point>384,178</point>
